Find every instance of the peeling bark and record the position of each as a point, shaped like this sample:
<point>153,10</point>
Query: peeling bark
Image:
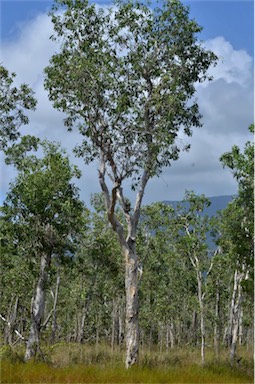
<point>132,329</point>
<point>37,310</point>
<point>128,244</point>
<point>236,310</point>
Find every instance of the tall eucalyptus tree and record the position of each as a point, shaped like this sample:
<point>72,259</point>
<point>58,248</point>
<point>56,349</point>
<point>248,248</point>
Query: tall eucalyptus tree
<point>237,234</point>
<point>125,76</point>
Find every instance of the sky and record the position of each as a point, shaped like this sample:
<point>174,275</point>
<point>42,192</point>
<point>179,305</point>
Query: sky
<point>226,103</point>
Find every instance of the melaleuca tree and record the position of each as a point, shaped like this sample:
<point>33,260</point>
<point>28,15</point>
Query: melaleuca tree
<point>14,103</point>
<point>240,227</point>
<point>125,76</point>
<point>16,276</point>
<point>193,227</point>
<point>218,292</point>
<point>102,275</point>
<point>168,285</point>
<point>236,234</point>
<point>44,215</point>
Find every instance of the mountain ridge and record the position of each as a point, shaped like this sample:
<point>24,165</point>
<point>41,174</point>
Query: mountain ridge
<point>217,204</point>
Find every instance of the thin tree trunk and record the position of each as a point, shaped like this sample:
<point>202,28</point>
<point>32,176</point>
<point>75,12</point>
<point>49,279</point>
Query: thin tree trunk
<point>37,310</point>
<point>194,327</point>
<point>114,310</point>
<point>240,335</point>
<point>202,320</point>
<point>236,314</point>
<point>171,334</point>
<point>232,310</point>
<point>97,329</point>
<point>10,324</point>
<point>54,319</point>
<point>83,318</point>
<point>120,324</point>
<point>131,286</point>
<point>217,319</point>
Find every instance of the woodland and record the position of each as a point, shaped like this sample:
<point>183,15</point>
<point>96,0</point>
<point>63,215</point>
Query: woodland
<point>121,292</point>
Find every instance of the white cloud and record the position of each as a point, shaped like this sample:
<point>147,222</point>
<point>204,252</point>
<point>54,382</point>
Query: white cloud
<point>226,104</point>
<point>31,51</point>
<point>233,66</point>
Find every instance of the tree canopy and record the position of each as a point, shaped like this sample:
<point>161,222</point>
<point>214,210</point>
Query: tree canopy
<point>14,103</point>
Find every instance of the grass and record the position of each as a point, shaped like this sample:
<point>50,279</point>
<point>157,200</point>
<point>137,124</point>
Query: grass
<point>73,363</point>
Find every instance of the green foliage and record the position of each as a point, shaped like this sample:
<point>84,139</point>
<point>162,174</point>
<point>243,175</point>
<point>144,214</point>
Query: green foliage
<point>42,215</point>
<point>237,220</point>
<point>129,80</point>
<point>13,104</point>
<point>42,209</point>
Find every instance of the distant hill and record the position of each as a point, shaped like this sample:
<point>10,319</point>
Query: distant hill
<point>217,204</point>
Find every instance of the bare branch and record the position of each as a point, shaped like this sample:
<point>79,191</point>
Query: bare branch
<point>15,330</point>
<point>101,175</point>
<point>47,320</point>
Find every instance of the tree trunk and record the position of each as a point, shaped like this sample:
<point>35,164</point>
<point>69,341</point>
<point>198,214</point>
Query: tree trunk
<point>37,309</point>
<point>120,334</point>
<point>236,313</point>
<point>85,309</point>
<point>216,323</point>
<point>194,327</point>
<point>171,334</point>
<point>131,286</point>
<point>54,319</point>
<point>128,244</point>
<point>115,324</point>
<point>240,336</point>
<point>10,324</point>
<point>202,320</point>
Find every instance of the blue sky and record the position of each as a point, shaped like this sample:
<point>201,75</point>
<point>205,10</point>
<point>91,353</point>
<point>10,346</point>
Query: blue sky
<point>232,19</point>
<point>226,103</point>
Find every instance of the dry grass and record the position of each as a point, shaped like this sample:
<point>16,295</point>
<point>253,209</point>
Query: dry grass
<point>73,363</point>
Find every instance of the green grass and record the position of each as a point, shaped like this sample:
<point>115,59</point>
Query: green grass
<point>74,363</point>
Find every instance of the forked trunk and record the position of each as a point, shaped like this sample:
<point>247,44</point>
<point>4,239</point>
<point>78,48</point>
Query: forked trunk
<point>131,285</point>
<point>37,310</point>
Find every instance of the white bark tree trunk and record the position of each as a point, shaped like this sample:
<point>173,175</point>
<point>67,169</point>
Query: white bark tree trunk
<point>202,320</point>
<point>128,244</point>
<point>10,324</point>
<point>37,310</point>
<point>217,320</point>
<point>131,286</point>
<point>236,309</point>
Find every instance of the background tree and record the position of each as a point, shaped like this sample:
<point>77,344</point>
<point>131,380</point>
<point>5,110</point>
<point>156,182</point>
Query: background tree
<point>14,102</point>
<point>128,84</point>
<point>44,214</point>
<point>237,234</point>
<point>193,228</point>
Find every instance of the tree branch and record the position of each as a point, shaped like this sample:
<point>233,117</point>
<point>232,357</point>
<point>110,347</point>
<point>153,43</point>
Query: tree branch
<point>15,330</point>
<point>139,198</point>
<point>110,201</point>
